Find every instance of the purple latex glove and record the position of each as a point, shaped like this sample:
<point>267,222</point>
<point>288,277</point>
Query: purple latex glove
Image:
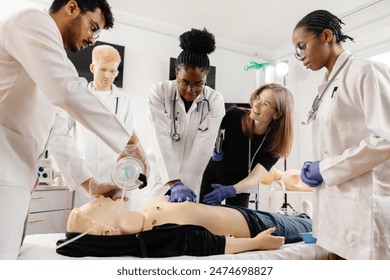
<point>310,173</point>
<point>216,156</point>
<point>180,193</point>
<point>219,193</point>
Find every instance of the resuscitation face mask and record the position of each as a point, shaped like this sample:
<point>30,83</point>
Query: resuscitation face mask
<point>128,174</point>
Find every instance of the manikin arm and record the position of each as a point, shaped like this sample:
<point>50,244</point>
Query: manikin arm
<point>258,174</point>
<point>291,178</point>
<point>263,241</point>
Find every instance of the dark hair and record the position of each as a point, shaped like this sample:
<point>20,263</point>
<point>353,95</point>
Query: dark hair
<point>196,45</point>
<point>88,6</point>
<point>319,20</point>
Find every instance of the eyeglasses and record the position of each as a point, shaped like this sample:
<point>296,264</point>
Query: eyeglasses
<point>263,103</point>
<point>185,85</point>
<point>300,47</point>
<point>104,71</point>
<point>95,29</point>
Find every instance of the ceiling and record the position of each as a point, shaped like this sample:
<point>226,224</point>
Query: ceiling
<point>260,28</point>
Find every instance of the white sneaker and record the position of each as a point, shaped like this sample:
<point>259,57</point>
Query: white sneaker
<point>307,208</point>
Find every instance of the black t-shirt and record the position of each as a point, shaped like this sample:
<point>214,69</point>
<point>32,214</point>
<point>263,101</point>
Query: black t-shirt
<point>236,145</point>
<point>162,241</point>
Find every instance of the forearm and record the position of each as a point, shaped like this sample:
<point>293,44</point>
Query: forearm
<point>258,174</point>
<point>355,161</point>
<point>262,241</point>
<point>133,139</point>
<point>85,185</point>
<point>170,183</point>
<point>68,158</point>
<point>238,245</point>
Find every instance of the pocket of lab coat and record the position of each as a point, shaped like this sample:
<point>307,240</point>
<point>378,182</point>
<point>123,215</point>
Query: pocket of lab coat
<point>354,189</point>
<point>18,163</point>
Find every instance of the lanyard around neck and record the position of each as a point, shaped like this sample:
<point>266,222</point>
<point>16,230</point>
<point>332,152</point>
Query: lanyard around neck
<point>250,159</point>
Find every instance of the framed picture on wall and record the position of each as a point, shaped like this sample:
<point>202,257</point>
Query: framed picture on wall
<point>83,59</point>
<point>210,80</point>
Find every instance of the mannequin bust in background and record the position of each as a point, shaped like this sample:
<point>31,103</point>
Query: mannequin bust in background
<point>291,179</point>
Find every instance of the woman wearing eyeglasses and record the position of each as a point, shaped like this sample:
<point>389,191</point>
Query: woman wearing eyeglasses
<point>351,142</point>
<point>185,116</point>
<point>253,139</point>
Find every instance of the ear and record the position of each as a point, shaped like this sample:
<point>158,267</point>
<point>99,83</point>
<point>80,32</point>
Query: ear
<point>72,8</point>
<point>328,35</point>
<point>91,68</point>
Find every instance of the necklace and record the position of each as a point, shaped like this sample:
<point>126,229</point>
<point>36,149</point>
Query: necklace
<point>250,159</point>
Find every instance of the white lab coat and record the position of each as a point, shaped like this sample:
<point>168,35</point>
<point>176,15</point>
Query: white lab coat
<point>351,207</point>
<point>31,56</point>
<point>186,159</point>
<point>99,158</point>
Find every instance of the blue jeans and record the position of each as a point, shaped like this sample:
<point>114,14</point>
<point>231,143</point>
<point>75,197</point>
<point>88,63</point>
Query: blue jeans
<point>287,226</point>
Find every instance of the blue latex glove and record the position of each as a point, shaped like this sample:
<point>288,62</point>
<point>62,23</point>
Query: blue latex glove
<point>216,156</point>
<point>180,193</point>
<point>310,173</point>
<point>219,193</point>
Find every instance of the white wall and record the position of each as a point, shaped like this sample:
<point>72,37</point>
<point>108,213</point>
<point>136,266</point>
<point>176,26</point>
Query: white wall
<point>147,53</point>
<point>149,45</point>
<point>148,48</point>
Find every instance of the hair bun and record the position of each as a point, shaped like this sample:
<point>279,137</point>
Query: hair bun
<point>197,41</point>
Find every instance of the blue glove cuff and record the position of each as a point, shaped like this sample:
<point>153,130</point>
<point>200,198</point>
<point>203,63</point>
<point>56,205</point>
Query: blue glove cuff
<point>230,191</point>
<point>176,185</point>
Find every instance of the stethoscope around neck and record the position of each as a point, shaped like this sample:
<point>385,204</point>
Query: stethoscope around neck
<point>176,137</point>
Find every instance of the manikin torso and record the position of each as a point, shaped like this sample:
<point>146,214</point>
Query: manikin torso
<point>218,220</point>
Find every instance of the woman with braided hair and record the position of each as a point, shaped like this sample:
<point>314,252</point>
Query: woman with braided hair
<point>185,115</point>
<point>351,142</point>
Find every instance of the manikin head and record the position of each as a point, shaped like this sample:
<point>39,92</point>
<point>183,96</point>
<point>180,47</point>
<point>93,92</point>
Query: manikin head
<point>81,21</point>
<point>104,66</point>
<point>111,215</point>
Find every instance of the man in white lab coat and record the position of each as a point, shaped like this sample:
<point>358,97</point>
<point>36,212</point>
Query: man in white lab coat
<point>100,158</point>
<point>37,76</point>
